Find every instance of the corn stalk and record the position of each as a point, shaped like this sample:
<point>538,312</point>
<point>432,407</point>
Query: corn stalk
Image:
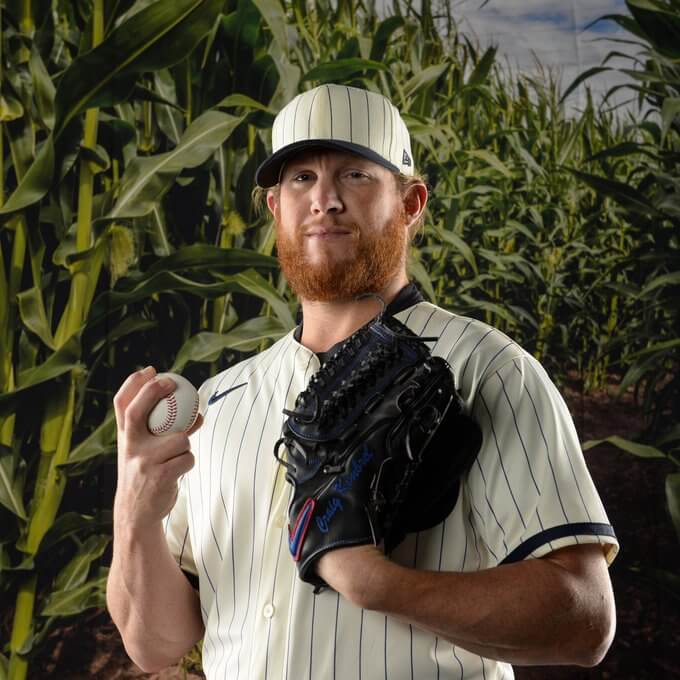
<point>57,425</point>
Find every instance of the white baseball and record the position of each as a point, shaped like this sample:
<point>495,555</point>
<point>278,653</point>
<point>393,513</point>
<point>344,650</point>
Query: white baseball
<point>178,411</point>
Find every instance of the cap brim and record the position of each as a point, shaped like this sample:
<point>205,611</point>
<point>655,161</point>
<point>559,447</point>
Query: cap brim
<point>267,175</point>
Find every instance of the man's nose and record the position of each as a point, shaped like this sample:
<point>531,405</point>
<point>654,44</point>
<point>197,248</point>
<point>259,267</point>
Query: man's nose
<point>325,197</point>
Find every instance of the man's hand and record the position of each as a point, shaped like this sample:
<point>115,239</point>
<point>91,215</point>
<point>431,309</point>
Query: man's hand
<point>150,600</point>
<point>148,465</point>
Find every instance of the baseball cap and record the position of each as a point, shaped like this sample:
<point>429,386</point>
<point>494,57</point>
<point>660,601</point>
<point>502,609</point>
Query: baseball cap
<point>343,118</point>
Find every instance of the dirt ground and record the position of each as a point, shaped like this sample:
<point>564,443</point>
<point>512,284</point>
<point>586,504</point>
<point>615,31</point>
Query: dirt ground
<point>647,643</point>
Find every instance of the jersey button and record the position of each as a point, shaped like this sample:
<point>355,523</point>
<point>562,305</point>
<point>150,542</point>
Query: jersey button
<point>268,611</point>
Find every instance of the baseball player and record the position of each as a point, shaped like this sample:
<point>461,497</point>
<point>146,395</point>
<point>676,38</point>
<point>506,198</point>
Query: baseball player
<point>515,574</point>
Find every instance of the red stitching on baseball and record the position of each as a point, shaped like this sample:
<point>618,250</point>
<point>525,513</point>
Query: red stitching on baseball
<point>170,416</point>
<point>194,411</point>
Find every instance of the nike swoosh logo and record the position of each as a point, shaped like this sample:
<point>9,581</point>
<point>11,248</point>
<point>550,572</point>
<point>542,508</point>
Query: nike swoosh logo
<point>218,395</point>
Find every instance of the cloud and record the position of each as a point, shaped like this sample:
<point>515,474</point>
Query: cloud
<point>554,33</point>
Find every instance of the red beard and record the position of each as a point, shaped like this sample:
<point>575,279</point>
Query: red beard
<point>378,258</point>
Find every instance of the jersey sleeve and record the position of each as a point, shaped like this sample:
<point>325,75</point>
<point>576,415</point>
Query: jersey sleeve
<point>529,488</point>
<point>176,528</point>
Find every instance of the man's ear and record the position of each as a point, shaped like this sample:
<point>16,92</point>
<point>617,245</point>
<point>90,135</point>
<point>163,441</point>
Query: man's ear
<point>415,200</point>
<point>272,201</point>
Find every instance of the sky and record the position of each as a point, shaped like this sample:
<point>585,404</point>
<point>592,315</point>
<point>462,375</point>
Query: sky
<point>554,32</point>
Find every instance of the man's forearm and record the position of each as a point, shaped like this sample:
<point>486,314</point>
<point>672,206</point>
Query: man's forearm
<point>150,600</point>
<point>534,612</point>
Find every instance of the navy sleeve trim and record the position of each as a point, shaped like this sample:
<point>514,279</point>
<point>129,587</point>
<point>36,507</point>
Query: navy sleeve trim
<point>552,534</point>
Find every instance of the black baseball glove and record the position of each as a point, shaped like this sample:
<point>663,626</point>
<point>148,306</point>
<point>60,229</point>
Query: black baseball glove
<point>376,445</point>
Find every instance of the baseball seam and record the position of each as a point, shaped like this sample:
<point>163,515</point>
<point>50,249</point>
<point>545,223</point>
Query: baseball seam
<point>194,412</point>
<point>170,416</point>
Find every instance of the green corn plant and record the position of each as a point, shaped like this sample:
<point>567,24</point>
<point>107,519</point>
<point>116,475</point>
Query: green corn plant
<point>647,199</point>
<point>67,290</point>
<point>128,235</point>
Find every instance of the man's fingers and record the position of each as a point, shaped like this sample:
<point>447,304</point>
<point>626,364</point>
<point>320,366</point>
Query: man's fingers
<point>179,465</point>
<point>137,412</point>
<point>128,391</point>
<point>173,446</point>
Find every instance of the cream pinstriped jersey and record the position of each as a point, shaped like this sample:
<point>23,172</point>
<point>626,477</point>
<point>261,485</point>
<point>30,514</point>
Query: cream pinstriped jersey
<point>528,493</point>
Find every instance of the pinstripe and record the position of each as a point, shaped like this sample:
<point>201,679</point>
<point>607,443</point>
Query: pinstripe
<point>455,656</point>
<point>269,511</point>
<point>488,503</point>
<point>330,108</point>
<point>233,501</point>
<point>335,633</point>
<point>247,364</point>
<point>578,486</point>
<point>410,627</point>
<point>299,634</point>
<point>382,145</point>
<point>254,498</point>
<point>269,625</point>
<point>545,442</point>
<point>244,367</point>
<point>389,153</point>
<point>184,545</point>
<point>408,318</point>
<point>483,378</point>
<point>349,102</point>
<point>474,536</point>
<point>448,356</point>
<point>361,637</point>
<point>540,523</point>
<point>410,635</point>
<point>368,118</point>
<point>439,568</point>
<point>311,639</point>
<point>210,461</point>
<point>427,321</point>
<point>474,349</point>
<point>385,648</point>
<point>309,117</point>
<point>297,106</point>
<point>519,433</point>
<point>500,460</point>
<point>193,515</point>
<point>283,125</point>
<point>295,587</point>
<point>295,583</point>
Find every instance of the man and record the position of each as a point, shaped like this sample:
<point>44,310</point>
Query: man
<point>517,573</point>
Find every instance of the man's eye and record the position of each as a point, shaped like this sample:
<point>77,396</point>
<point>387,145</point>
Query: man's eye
<point>301,177</point>
<point>357,174</point>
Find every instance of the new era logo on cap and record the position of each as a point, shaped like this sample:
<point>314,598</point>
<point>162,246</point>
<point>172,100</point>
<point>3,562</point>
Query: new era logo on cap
<point>340,117</point>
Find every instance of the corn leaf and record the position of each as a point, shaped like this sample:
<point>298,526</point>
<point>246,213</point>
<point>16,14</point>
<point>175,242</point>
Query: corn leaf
<point>147,179</point>
<point>75,600</point>
<point>245,337</point>
<point>12,476</point>
<point>342,69</point>
<point>637,449</point>
<point>75,571</point>
<point>60,362</point>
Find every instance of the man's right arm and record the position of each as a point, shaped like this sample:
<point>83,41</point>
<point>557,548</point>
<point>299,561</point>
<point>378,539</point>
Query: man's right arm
<point>150,600</point>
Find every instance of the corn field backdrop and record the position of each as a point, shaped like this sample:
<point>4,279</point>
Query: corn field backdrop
<point>129,136</point>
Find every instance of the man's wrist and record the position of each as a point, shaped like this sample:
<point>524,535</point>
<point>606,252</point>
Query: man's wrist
<point>361,574</point>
